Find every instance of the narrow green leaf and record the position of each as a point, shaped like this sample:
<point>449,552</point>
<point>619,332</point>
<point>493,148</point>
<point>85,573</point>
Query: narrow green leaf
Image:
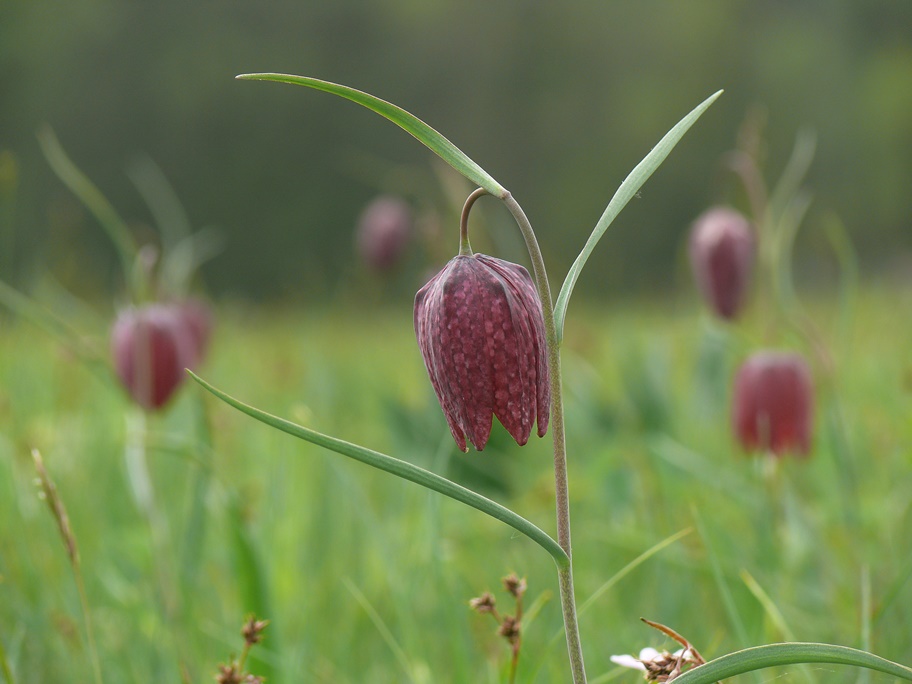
<point>610,583</point>
<point>624,194</point>
<point>381,627</point>
<point>401,469</point>
<point>411,124</point>
<point>253,584</point>
<point>5,667</point>
<point>59,329</point>
<point>772,655</point>
<point>90,196</point>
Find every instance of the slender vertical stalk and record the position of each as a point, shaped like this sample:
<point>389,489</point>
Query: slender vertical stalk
<point>55,503</point>
<point>562,496</point>
<point>5,667</point>
<point>143,490</point>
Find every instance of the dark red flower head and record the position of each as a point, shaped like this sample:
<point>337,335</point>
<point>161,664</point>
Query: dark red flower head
<point>481,332</point>
<point>151,346</point>
<point>774,403</point>
<point>383,232</point>
<point>722,256</point>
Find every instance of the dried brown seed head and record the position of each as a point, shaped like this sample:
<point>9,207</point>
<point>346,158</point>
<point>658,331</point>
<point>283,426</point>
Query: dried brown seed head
<point>253,630</point>
<point>510,629</point>
<point>515,585</point>
<point>484,603</point>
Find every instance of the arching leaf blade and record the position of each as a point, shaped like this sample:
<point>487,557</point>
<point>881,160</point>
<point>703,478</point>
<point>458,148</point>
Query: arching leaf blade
<point>402,469</point>
<point>772,655</point>
<point>431,138</point>
<point>624,194</point>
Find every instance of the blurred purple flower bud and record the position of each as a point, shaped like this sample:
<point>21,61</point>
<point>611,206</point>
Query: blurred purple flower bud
<point>722,257</point>
<point>774,403</point>
<point>151,346</point>
<point>481,332</point>
<point>383,232</point>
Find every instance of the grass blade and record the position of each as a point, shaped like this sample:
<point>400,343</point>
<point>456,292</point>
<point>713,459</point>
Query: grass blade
<point>770,608</point>
<point>411,124</point>
<point>401,469</point>
<point>90,196</point>
<point>57,328</point>
<point>253,584</point>
<point>58,511</point>
<point>772,655</point>
<point>624,194</point>
<point>612,581</point>
<point>5,667</point>
<point>381,627</point>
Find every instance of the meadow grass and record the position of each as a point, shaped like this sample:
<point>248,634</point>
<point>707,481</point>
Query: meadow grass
<point>367,579</point>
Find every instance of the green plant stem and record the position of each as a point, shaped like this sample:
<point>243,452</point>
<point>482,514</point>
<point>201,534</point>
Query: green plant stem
<point>561,488</point>
<point>465,249</point>
<point>95,202</point>
<point>143,490</point>
<point>5,667</point>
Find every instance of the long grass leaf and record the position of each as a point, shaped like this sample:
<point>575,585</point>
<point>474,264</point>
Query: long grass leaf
<point>90,196</point>
<point>773,655</point>
<point>381,627</point>
<point>614,579</point>
<point>254,590</point>
<point>411,124</point>
<point>624,194</point>
<point>631,566</point>
<point>5,666</point>
<point>724,592</point>
<point>56,327</point>
<point>772,610</point>
<point>401,469</point>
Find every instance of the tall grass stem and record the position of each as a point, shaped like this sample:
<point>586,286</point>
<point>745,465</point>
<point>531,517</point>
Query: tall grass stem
<point>5,667</point>
<point>558,435</point>
<point>55,504</point>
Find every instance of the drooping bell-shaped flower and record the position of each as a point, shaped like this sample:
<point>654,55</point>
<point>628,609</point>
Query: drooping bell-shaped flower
<point>383,232</point>
<point>774,403</point>
<point>481,332</point>
<point>722,256</point>
<point>151,346</point>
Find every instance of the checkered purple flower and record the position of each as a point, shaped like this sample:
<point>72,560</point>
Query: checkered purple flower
<point>481,332</point>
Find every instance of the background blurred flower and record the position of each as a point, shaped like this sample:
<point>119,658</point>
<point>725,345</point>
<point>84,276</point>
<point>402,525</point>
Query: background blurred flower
<point>151,346</point>
<point>774,403</point>
<point>722,256</point>
<point>383,232</point>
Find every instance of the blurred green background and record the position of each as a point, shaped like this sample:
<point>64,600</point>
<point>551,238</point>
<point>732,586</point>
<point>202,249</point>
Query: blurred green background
<point>557,100</point>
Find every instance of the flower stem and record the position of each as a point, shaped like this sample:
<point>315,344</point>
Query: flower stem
<point>465,249</point>
<point>562,496</point>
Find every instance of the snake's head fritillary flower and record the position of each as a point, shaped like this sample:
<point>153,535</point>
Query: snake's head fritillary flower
<point>722,257</point>
<point>383,232</point>
<point>481,332</point>
<point>774,403</point>
<point>151,346</point>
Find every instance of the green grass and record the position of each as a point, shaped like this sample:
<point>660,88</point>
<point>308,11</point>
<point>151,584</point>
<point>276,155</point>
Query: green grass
<point>367,579</point>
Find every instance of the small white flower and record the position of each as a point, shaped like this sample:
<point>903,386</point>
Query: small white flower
<point>628,661</point>
<point>652,658</point>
